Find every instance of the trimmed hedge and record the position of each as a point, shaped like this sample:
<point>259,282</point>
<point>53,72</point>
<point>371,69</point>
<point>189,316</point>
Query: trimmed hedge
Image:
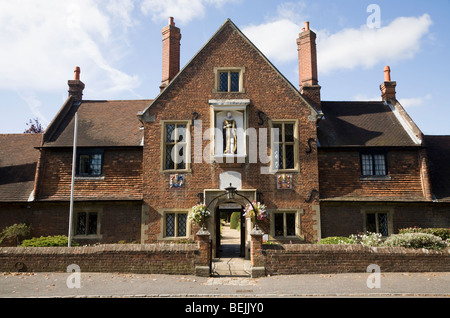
<point>58,240</point>
<point>443,233</point>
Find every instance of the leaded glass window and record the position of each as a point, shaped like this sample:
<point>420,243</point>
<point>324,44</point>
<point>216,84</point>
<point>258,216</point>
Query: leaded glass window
<point>175,144</point>
<point>284,224</point>
<point>283,145</point>
<point>377,223</point>
<point>86,223</point>
<point>90,162</point>
<point>229,81</point>
<point>373,165</point>
<point>176,224</point>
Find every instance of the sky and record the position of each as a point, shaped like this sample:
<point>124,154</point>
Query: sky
<point>117,45</point>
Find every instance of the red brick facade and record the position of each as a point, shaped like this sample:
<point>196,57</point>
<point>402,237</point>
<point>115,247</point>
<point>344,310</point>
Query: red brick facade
<point>327,193</point>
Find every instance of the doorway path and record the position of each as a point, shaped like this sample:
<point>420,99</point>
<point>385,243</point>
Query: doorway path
<point>229,263</point>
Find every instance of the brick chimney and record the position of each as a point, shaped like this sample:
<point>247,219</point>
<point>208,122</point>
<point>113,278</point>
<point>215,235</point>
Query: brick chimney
<point>171,37</point>
<point>388,86</point>
<point>307,64</point>
<point>76,86</point>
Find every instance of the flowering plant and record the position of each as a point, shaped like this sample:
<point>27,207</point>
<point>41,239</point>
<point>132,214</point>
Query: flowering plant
<point>199,214</point>
<point>260,210</point>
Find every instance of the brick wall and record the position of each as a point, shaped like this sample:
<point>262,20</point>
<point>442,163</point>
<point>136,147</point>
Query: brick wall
<point>119,220</point>
<point>318,259</point>
<point>340,173</point>
<point>190,92</point>
<point>148,259</point>
<point>122,176</point>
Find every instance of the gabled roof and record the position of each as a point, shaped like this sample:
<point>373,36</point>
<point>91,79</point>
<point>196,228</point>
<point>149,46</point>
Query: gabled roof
<point>438,150</point>
<point>18,161</point>
<point>362,124</point>
<point>101,123</point>
<point>227,23</point>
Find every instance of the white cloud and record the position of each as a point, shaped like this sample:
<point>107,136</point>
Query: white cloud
<point>415,101</point>
<point>183,11</point>
<point>345,49</point>
<point>365,47</point>
<point>42,41</point>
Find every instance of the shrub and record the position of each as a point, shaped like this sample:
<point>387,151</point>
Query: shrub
<point>58,240</point>
<point>235,220</point>
<point>416,240</point>
<point>367,239</point>
<point>16,232</point>
<point>336,240</point>
<point>443,233</point>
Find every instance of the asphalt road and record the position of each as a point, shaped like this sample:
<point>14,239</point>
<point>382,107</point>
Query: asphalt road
<point>101,285</point>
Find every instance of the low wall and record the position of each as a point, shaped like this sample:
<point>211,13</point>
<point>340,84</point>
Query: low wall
<point>125,258</point>
<point>326,259</point>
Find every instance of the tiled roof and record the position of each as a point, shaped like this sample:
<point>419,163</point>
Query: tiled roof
<point>438,150</point>
<point>100,124</point>
<point>18,160</point>
<point>368,124</point>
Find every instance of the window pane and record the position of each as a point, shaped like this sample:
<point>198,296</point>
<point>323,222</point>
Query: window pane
<point>170,131</point>
<point>92,223</point>
<point>277,131</point>
<point>96,165</point>
<point>181,133</point>
<point>181,160</point>
<point>380,165</point>
<point>84,165</point>
<point>371,225</point>
<point>182,217</point>
<point>290,224</point>
<point>223,82</point>
<point>81,224</point>
<point>367,165</point>
<point>289,132</point>
<point>289,157</point>
<point>234,85</point>
<point>170,224</point>
<point>278,224</point>
<point>383,224</point>
<point>169,157</point>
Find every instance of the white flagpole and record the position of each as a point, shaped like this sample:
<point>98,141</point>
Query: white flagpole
<point>74,163</point>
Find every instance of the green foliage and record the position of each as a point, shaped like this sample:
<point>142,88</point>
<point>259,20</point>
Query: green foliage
<point>17,232</point>
<point>336,240</point>
<point>235,220</point>
<point>416,240</point>
<point>443,233</point>
<point>58,240</point>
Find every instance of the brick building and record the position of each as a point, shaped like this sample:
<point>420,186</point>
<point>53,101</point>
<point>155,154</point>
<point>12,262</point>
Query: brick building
<point>322,168</point>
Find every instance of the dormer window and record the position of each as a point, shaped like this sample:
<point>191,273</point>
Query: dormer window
<point>229,80</point>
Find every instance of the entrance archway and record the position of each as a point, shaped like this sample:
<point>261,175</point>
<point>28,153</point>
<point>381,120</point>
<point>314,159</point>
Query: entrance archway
<point>214,199</point>
<point>230,226</point>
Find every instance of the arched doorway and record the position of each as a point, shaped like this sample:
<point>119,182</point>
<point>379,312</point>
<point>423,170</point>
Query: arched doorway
<point>214,199</point>
<point>230,226</point>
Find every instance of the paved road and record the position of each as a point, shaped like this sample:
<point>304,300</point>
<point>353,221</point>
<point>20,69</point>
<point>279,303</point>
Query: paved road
<point>19,285</point>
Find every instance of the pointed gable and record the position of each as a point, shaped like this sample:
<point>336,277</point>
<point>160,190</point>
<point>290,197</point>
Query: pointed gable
<point>229,48</point>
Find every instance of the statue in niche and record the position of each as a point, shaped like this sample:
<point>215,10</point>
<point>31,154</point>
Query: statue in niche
<point>229,133</point>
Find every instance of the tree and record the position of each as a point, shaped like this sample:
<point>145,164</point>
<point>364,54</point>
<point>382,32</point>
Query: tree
<point>35,127</point>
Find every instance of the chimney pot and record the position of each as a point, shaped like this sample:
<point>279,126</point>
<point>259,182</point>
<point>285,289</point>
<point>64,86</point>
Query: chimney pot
<point>171,21</point>
<point>77,73</point>
<point>387,74</point>
<point>307,26</point>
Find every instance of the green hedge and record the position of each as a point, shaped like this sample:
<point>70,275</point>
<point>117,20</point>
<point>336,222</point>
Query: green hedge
<point>443,233</point>
<point>235,220</point>
<point>58,240</point>
<point>335,240</point>
<point>416,240</point>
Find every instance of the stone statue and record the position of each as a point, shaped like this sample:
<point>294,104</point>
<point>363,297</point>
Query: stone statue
<point>229,133</point>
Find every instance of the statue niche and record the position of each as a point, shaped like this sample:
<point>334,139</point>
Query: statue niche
<point>229,135</point>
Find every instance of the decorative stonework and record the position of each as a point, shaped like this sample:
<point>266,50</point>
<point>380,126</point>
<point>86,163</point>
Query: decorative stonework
<point>284,181</point>
<point>177,181</point>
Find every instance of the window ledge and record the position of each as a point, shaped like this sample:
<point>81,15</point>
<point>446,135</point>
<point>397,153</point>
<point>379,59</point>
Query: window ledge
<point>375,178</point>
<point>87,178</point>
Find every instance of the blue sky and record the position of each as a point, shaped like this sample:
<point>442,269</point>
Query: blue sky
<point>117,44</point>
